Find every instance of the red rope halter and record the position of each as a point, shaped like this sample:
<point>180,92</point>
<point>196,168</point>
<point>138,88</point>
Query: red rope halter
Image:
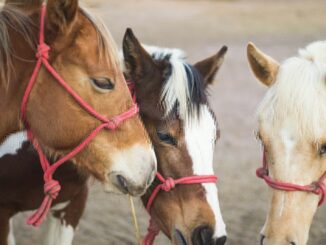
<point>51,186</point>
<point>318,187</point>
<point>167,185</point>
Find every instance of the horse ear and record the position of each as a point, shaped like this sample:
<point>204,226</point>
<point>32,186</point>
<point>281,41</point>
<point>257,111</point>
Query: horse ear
<point>61,14</point>
<point>210,66</point>
<point>263,66</point>
<point>137,61</point>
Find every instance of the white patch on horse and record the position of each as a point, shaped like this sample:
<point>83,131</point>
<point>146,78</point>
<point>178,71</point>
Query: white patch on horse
<point>60,206</point>
<point>11,237</point>
<point>200,134</point>
<point>57,232</point>
<point>289,144</point>
<point>13,143</point>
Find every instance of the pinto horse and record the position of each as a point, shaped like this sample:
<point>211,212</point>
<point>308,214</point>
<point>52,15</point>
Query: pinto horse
<point>292,126</point>
<point>187,214</point>
<point>172,96</point>
<point>70,98</point>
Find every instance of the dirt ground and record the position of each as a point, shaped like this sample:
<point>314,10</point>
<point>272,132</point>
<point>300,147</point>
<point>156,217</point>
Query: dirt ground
<point>201,28</point>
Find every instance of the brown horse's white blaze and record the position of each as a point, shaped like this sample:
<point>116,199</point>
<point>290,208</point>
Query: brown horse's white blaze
<point>85,56</point>
<point>292,128</point>
<point>174,108</point>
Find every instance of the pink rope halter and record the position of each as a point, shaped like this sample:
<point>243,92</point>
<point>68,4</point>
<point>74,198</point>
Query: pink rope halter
<point>318,187</point>
<point>167,185</point>
<point>51,186</point>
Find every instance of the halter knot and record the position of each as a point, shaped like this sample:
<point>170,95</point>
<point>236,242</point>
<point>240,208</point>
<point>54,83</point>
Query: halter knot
<point>52,188</point>
<point>261,172</point>
<point>320,189</point>
<point>43,51</point>
<point>113,123</point>
<point>168,184</point>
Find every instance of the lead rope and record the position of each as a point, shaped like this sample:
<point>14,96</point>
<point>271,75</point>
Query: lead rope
<point>134,218</point>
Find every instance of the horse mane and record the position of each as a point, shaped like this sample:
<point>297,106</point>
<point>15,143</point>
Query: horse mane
<point>107,46</point>
<point>13,17</point>
<point>299,93</point>
<point>184,91</point>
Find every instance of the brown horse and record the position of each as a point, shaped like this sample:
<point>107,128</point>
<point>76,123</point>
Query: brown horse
<point>172,96</point>
<point>91,69</point>
<point>193,210</point>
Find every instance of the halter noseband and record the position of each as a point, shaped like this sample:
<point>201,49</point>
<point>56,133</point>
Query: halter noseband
<point>51,186</point>
<point>318,187</point>
<point>167,185</point>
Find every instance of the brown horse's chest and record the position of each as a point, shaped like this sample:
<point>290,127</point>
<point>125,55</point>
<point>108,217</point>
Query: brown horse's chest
<point>21,180</point>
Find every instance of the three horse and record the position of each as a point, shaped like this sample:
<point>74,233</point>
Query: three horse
<point>177,119</point>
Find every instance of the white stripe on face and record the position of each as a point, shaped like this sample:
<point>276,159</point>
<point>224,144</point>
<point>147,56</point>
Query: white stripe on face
<point>13,143</point>
<point>200,134</point>
<point>289,143</point>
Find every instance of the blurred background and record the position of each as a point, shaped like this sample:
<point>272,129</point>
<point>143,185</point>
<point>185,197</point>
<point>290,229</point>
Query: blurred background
<point>200,28</point>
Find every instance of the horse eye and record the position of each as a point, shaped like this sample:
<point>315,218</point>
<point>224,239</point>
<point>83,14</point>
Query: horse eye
<point>167,138</point>
<point>322,149</point>
<point>103,83</point>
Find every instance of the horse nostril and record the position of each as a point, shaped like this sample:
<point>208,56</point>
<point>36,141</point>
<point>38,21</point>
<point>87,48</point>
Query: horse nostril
<point>202,235</point>
<point>292,243</point>
<point>123,183</point>
<point>262,238</point>
<point>221,240</point>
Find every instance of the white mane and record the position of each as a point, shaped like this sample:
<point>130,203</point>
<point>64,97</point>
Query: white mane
<point>299,93</point>
<point>176,88</point>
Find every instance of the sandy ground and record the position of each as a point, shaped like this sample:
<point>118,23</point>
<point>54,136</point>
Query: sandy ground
<point>201,28</point>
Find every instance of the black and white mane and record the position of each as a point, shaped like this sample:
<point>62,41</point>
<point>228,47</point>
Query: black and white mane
<point>184,89</point>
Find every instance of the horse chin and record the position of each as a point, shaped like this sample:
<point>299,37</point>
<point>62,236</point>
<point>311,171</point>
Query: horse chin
<point>117,184</point>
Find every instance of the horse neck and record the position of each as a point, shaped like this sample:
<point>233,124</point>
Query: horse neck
<point>11,94</point>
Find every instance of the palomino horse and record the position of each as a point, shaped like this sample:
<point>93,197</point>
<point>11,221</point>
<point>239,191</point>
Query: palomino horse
<point>292,126</point>
<point>193,210</point>
<point>68,94</point>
